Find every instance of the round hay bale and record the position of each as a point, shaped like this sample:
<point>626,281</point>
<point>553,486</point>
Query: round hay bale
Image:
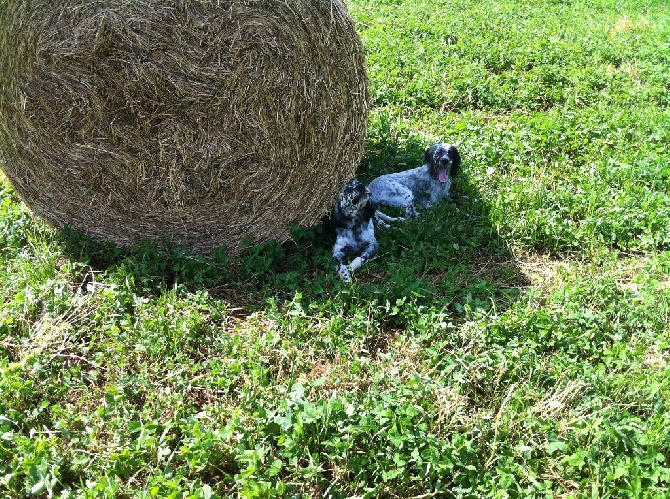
<point>191,122</point>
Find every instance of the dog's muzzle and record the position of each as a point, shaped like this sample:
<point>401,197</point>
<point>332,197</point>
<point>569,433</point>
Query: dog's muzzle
<point>443,165</point>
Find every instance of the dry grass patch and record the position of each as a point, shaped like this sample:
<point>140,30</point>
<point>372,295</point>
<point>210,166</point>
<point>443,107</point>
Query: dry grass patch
<point>542,271</point>
<point>625,24</point>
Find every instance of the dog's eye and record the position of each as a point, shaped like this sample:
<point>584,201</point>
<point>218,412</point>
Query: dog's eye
<point>356,199</point>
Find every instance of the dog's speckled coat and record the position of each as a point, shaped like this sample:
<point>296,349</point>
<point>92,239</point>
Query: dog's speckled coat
<point>422,186</point>
<point>352,216</point>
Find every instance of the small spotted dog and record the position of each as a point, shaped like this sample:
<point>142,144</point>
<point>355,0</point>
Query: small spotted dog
<point>422,186</point>
<point>352,216</point>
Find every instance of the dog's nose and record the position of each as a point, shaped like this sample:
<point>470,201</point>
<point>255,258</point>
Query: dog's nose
<point>444,161</point>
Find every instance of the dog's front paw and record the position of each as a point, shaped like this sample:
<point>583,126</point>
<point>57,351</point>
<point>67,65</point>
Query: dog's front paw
<point>381,224</point>
<point>343,272</point>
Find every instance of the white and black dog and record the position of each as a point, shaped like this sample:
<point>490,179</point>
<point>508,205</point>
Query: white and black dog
<point>422,186</point>
<point>352,216</point>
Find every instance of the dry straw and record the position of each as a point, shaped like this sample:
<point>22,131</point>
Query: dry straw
<point>193,122</point>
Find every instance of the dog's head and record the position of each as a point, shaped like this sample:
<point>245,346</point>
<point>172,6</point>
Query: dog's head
<point>443,161</point>
<point>354,194</point>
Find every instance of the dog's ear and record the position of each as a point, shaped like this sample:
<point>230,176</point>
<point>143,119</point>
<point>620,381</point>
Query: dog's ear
<point>428,155</point>
<point>369,210</point>
<point>455,160</point>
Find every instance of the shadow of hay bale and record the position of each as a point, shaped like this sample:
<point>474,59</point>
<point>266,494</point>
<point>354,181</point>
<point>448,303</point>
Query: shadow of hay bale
<point>199,123</point>
<point>451,258</point>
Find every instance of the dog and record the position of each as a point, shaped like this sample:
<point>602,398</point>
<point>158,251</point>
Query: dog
<point>352,216</point>
<point>422,186</point>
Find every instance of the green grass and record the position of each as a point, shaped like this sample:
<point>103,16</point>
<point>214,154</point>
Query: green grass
<point>513,343</point>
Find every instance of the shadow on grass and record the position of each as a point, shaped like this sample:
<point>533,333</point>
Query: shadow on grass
<point>450,258</point>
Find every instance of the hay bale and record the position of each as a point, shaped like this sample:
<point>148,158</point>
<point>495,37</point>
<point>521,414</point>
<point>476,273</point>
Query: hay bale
<point>193,122</point>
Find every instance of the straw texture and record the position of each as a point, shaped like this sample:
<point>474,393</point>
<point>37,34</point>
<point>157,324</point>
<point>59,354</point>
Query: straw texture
<point>193,122</point>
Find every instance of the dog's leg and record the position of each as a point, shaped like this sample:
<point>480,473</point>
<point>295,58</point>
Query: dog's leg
<point>370,249</point>
<point>410,211</point>
<point>339,253</point>
<point>392,194</point>
<point>343,272</point>
<point>383,220</point>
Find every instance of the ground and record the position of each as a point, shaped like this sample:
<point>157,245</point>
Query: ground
<point>510,343</point>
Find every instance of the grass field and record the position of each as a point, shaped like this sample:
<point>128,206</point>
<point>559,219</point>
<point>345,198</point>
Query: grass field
<point>512,343</point>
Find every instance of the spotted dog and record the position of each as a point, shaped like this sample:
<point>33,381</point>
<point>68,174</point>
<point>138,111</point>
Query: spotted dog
<point>352,216</point>
<point>422,186</point>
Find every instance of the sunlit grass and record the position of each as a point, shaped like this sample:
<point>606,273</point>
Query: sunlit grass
<point>511,343</point>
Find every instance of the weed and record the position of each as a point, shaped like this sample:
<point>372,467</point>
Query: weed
<point>509,343</point>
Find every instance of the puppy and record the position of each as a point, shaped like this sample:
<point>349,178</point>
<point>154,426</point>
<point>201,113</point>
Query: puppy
<point>422,186</point>
<point>352,216</point>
